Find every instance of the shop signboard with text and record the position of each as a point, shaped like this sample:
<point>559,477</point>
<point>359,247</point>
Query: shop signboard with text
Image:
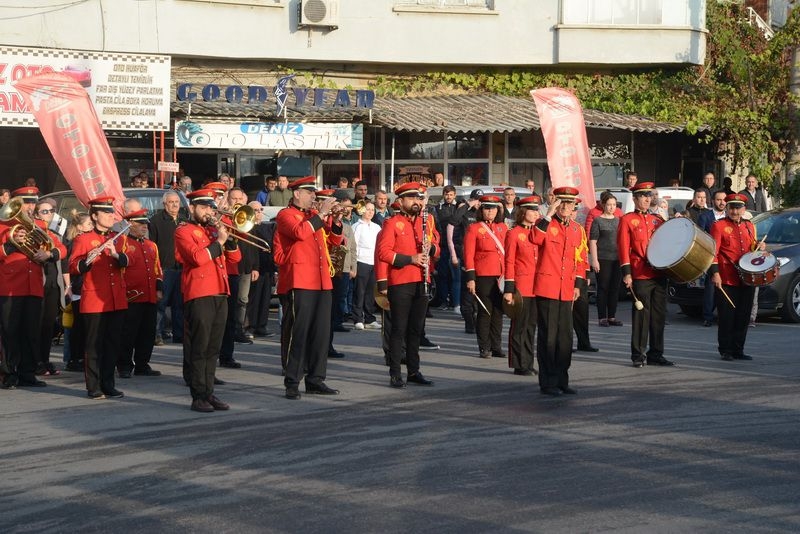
<point>269,136</point>
<point>128,91</point>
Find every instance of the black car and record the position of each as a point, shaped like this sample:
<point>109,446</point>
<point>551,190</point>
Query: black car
<point>150,198</point>
<point>782,296</point>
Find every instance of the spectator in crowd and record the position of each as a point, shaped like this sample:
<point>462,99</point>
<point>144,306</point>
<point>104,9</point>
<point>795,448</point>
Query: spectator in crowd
<point>509,205</point>
<point>530,185</point>
<point>708,186</point>
<point>185,184</point>
<point>270,183</point>
<point>343,183</point>
<point>697,206</point>
<point>727,185</point>
<point>161,229</point>
<point>438,179</point>
<point>674,182</point>
<point>448,276</point>
<point>261,289</point>
<point>53,300</point>
<point>706,221</point>
<point>282,194</point>
<point>548,199</point>
<point>226,180</point>
<point>604,259</point>
<point>5,196</point>
<point>361,191</point>
<point>382,209</point>
<point>365,233</point>
<point>75,332</point>
<point>630,180</point>
<point>756,201</point>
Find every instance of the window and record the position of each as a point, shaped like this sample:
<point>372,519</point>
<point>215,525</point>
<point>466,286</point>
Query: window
<point>445,6</point>
<point>620,12</point>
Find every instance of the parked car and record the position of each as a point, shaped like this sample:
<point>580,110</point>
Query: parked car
<point>149,197</point>
<point>463,192</point>
<point>782,297</point>
<point>677,198</point>
<point>622,194</point>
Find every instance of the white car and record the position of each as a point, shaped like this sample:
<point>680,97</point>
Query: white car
<point>677,198</point>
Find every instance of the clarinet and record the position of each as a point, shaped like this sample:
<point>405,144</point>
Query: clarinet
<point>426,245</point>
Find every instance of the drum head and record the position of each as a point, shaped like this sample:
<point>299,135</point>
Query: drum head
<point>757,262</point>
<point>670,242</point>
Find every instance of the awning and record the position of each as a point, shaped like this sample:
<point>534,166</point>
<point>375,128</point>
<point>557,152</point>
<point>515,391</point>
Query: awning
<point>455,113</point>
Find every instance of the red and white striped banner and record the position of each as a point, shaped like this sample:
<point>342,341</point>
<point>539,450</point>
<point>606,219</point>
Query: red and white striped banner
<point>73,134</point>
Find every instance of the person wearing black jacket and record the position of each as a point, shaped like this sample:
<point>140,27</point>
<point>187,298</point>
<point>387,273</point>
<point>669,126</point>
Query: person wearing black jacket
<point>261,290</point>
<point>161,230</point>
<point>448,276</point>
<point>249,273</point>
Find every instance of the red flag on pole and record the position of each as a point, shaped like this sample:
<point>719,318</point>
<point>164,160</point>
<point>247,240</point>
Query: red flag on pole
<point>564,131</point>
<point>73,134</point>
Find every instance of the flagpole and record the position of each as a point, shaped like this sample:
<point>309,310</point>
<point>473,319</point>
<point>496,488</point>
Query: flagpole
<point>391,175</point>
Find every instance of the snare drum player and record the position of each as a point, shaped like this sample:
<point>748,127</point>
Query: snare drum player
<point>734,237</point>
<point>648,284</point>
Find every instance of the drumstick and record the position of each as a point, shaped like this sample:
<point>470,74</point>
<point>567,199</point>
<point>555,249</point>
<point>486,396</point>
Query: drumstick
<point>727,297</point>
<point>482,305</point>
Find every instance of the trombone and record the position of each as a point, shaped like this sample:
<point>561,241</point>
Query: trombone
<point>243,218</point>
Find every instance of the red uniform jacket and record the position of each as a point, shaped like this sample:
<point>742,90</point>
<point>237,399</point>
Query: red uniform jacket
<point>521,258</point>
<point>633,236</point>
<point>399,239</point>
<point>563,260</point>
<point>19,276</point>
<point>481,255</point>
<point>103,284</point>
<point>143,275</point>
<point>203,260</point>
<point>301,250</point>
<point>733,241</point>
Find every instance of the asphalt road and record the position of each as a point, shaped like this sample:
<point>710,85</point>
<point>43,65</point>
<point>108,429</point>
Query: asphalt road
<point>706,446</point>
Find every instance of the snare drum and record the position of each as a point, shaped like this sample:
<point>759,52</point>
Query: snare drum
<point>758,268</point>
<point>681,249</point>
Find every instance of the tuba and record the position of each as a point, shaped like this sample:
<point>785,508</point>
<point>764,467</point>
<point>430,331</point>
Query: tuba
<point>35,240</point>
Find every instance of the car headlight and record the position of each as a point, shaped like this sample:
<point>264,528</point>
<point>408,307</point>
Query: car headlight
<point>783,260</point>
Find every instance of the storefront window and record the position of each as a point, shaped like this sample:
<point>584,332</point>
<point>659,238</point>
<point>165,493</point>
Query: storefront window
<point>609,144</point>
<point>526,145</point>
<point>519,173</point>
<point>467,146</point>
<point>414,145</point>
<point>371,150</point>
<point>371,173</point>
<point>468,173</point>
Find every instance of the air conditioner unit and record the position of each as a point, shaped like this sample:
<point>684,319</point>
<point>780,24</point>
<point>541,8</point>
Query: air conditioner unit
<point>323,13</point>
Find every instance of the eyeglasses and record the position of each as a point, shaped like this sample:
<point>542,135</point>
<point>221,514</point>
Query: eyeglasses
<point>45,212</point>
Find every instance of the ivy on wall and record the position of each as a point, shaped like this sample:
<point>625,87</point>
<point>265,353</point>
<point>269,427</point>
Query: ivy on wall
<point>739,99</point>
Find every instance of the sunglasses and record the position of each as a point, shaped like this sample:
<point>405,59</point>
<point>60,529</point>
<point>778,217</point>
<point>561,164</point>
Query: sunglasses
<point>45,212</point>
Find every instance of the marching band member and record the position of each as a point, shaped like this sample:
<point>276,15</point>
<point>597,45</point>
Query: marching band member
<point>21,296</point>
<point>734,237</point>
<point>144,282</point>
<point>98,257</point>
<point>559,276</point>
<point>521,258</point>
<point>203,249</point>
<point>649,285</point>
<point>403,252</point>
<point>484,260</point>
<point>304,283</point>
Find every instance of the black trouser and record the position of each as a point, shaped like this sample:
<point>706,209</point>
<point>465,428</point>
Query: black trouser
<point>489,326</point>
<point>408,303</point>
<point>138,335</point>
<point>734,323</point>
<point>554,342</point>
<point>339,298</point>
<point>306,323</point>
<point>522,335</point>
<point>204,322</point>
<point>258,303</point>
<point>77,336</point>
<point>648,324</point>
<point>50,304</point>
<point>229,332</point>
<point>469,307</point>
<point>363,299</point>
<point>19,331</point>
<point>103,338</point>
<point>608,283</point>
<point>580,318</point>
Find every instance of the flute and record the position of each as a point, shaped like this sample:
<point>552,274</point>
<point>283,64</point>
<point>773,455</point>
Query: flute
<point>95,252</point>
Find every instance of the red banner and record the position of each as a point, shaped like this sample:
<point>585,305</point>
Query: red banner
<point>561,119</point>
<point>70,128</point>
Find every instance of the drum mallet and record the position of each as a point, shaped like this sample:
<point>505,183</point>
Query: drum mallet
<point>636,302</point>
<point>727,297</point>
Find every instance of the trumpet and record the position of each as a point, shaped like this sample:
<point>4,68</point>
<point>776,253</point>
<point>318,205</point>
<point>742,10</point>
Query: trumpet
<point>243,219</point>
<point>96,251</point>
<point>336,210</point>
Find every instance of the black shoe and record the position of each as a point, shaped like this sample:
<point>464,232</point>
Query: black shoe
<point>96,395</point>
<point>727,357</point>
<point>292,393</point>
<point>241,338</point>
<point>742,357</point>
<point>74,366</point>
<point>248,335</point>
<point>553,392</point>
<point>662,361</point>
<point>335,354</point>
<point>114,394</point>
<point>588,349</point>
<point>639,363</point>
<point>523,372</point>
<point>217,404</point>
<point>230,364</point>
<point>201,405</point>
<point>124,373</point>
<point>427,344</point>
<point>417,378</point>
<point>428,314</point>
<point>147,371</point>
<point>568,390</point>
<point>707,323</point>
<point>320,389</point>
<point>397,382</point>
<point>340,328</point>
<point>486,354</point>
<point>219,382</point>
<point>498,355</point>
<point>32,383</point>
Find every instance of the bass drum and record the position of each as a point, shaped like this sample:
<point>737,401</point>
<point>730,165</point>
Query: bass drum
<point>758,268</point>
<point>681,249</point>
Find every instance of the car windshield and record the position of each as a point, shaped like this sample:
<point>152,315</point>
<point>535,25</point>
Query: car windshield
<point>780,227</point>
